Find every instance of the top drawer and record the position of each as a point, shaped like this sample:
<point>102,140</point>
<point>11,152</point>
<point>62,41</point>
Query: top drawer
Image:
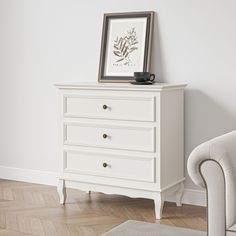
<point>109,107</point>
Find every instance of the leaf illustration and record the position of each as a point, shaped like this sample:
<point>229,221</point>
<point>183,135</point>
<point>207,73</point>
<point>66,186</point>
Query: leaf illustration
<point>125,51</point>
<point>117,53</point>
<point>132,49</point>
<point>126,54</point>
<point>120,60</point>
<point>123,46</point>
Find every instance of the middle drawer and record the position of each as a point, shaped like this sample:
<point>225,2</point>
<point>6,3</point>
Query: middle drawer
<point>110,136</point>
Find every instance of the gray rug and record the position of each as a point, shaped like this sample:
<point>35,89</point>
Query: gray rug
<point>139,228</point>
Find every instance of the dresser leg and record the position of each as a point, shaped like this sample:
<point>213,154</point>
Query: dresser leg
<point>61,189</point>
<point>159,203</point>
<point>179,194</point>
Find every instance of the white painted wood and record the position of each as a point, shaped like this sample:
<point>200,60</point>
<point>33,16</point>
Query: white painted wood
<point>157,87</point>
<point>159,204</point>
<point>179,194</point>
<point>115,166</point>
<point>112,181</point>
<point>117,137</point>
<point>109,107</point>
<point>171,136</point>
<point>61,191</point>
<point>144,141</point>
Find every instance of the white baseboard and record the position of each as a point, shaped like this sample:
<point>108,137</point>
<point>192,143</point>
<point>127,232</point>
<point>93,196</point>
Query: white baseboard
<point>191,196</point>
<point>194,197</point>
<point>28,175</point>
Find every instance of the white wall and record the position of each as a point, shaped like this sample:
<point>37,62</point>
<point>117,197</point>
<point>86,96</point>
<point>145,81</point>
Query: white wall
<point>47,41</point>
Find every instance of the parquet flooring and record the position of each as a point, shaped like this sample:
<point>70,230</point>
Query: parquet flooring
<point>32,209</point>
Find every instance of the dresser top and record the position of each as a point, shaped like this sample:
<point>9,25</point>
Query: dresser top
<point>120,86</point>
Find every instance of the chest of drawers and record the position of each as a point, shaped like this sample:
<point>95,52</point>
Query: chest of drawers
<point>122,139</point>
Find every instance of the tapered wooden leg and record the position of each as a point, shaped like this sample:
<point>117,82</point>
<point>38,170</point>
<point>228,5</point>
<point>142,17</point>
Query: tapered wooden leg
<point>179,194</point>
<point>61,189</point>
<point>159,203</point>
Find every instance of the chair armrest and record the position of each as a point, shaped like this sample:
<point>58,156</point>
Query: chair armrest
<point>222,151</point>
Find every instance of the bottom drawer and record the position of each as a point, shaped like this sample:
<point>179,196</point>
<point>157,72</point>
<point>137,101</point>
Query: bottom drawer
<point>125,167</point>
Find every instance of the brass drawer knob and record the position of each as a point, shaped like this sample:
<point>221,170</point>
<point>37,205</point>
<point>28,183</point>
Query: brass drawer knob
<point>104,107</point>
<point>104,135</point>
<point>104,165</point>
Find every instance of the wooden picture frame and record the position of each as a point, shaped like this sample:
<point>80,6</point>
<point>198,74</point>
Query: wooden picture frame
<point>125,45</point>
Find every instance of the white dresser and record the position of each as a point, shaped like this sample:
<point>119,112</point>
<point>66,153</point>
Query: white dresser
<point>122,139</point>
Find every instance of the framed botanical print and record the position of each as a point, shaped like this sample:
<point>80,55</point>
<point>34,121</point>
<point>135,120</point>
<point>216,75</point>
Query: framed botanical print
<point>126,46</point>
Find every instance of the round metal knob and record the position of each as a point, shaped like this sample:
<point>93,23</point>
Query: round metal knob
<point>104,135</point>
<point>104,165</point>
<point>104,107</point>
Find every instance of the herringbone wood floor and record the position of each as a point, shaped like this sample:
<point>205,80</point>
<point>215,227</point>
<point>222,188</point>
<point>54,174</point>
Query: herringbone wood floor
<point>32,209</point>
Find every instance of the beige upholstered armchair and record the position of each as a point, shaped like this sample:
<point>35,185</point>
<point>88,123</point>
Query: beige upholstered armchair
<point>212,165</point>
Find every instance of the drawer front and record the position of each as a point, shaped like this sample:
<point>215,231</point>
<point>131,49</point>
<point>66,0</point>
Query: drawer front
<point>115,137</point>
<point>132,168</point>
<point>109,107</point>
